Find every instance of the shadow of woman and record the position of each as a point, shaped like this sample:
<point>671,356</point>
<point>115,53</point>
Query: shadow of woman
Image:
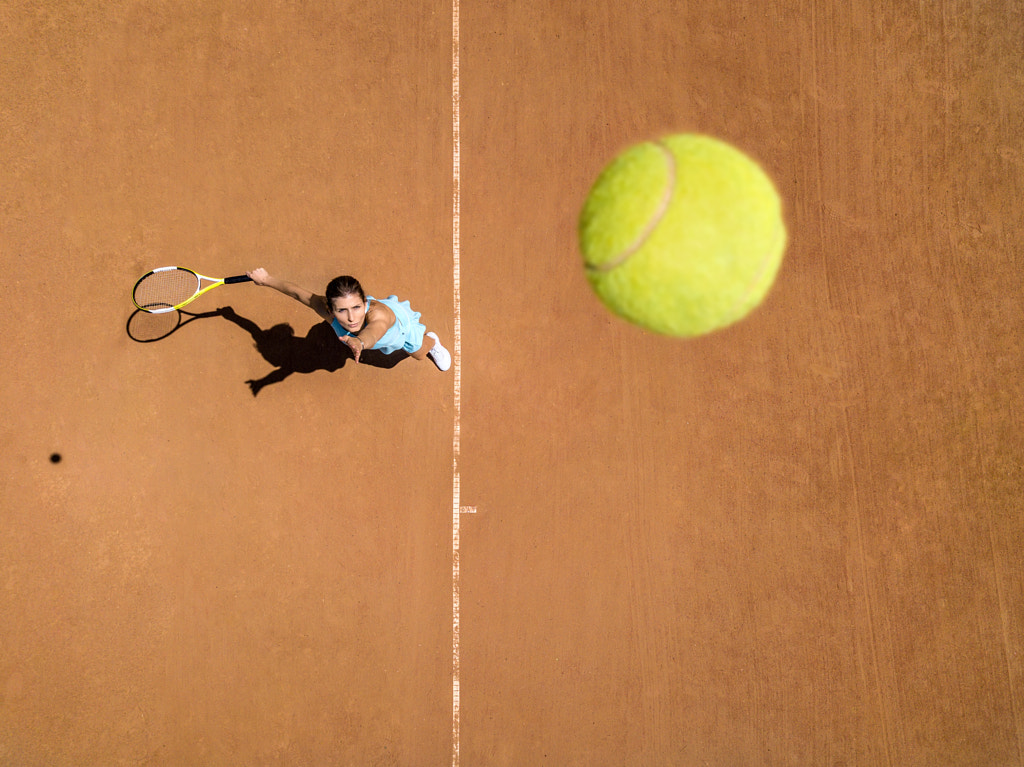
<point>319,349</point>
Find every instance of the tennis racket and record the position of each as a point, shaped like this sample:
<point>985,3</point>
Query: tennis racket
<point>172,287</point>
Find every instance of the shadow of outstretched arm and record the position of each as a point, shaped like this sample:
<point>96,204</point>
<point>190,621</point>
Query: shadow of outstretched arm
<point>273,377</point>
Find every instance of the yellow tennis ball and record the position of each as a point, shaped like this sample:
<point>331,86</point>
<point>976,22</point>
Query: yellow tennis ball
<point>682,236</point>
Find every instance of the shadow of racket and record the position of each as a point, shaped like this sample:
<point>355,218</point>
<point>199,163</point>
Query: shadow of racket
<point>145,327</point>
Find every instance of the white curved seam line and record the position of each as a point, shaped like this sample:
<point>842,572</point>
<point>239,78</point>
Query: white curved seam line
<point>666,199</point>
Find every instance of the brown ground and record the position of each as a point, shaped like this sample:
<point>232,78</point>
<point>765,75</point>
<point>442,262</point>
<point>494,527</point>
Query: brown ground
<point>794,542</point>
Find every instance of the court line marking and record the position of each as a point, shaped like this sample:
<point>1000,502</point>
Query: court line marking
<point>457,385</point>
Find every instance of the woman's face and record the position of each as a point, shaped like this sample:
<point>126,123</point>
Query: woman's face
<point>350,311</point>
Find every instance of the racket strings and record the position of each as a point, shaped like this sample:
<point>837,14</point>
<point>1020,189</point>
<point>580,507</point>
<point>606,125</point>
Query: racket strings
<point>171,287</point>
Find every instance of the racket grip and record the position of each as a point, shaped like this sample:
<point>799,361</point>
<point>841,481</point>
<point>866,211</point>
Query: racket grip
<point>239,278</point>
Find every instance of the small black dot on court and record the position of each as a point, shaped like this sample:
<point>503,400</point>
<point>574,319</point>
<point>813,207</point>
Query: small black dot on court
<point>55,458</point>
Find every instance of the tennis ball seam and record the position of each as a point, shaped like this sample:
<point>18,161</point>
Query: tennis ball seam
<point>765,265</point>
<point>659,214</point>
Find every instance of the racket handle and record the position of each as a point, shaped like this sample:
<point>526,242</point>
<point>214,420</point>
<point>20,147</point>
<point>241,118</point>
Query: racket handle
<point>239,278</point>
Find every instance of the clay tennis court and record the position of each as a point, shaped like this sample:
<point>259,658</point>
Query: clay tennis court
<point>796,541</point>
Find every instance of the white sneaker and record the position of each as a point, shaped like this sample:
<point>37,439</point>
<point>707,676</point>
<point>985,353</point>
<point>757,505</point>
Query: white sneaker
<point>439,355</point>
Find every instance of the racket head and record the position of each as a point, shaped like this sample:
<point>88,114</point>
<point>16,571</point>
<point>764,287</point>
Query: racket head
<point>165,289</point>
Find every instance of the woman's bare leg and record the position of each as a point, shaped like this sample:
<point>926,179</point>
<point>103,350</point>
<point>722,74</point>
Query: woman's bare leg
<point>421,353</point>
<point>443,359</point>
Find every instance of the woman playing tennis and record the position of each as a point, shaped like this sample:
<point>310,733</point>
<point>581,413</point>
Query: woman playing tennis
<point>363,322</point>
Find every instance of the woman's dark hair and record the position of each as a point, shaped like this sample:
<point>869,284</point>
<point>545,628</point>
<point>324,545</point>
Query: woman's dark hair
<point>340,287</point>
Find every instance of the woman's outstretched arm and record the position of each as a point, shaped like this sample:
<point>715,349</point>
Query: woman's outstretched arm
<point>317,303</point>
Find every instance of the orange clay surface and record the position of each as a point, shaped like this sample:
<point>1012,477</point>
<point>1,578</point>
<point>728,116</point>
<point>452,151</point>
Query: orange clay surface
<point>797,541</point>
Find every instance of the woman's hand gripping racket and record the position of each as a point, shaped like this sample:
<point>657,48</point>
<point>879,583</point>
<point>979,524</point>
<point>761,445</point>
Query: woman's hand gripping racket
<point>172,287</point>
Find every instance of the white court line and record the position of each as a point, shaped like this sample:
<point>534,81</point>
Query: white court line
<point>457,372</point>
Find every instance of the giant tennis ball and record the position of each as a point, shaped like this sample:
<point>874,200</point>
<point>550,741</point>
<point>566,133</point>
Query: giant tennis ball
<point>682,236</point>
